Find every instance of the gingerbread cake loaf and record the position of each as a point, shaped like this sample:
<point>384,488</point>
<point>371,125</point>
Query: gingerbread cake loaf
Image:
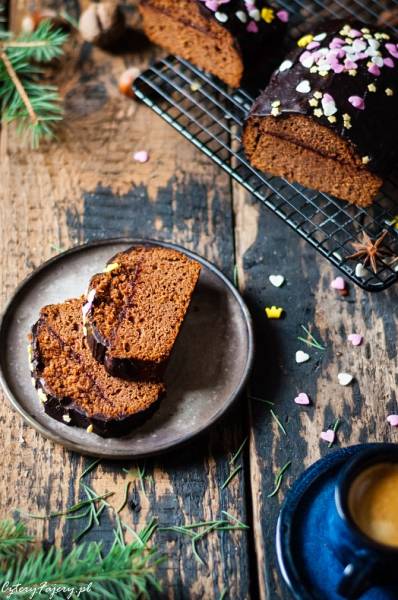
<point>73,387</point>
<point>236,40</point>
<point>329,117</point>
<point>135,309</point>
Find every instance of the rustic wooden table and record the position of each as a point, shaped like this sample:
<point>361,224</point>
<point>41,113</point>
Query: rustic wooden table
<point>86,186</point>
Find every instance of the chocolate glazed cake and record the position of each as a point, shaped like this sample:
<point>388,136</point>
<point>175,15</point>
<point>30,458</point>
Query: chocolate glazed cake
<point>329,116</point>
<point>73,387</point>
<point>236,40</point>
<point>135,309</point>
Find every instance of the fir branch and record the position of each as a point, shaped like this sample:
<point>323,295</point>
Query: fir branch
<point>34,107</point>
<point>14,539</point>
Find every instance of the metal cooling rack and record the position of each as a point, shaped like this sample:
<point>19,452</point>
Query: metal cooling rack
<point>211,116</point>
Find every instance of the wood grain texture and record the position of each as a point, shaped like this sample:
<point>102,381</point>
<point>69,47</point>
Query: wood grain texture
<point>86,186</point>
<point>267,247</point>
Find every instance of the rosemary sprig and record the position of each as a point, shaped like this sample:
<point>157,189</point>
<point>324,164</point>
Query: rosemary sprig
<point>206,527</point>
<point>238,452</point>
<point>140,474</point>
<point>70,510</point>
<point>310,340</point>
<point>257,399</point>
<point>335,427</point>
<point>90,468</point>
<point>231,476</point>
<point>126,497</point>
<point>278,422</point>
<point>278,479</point>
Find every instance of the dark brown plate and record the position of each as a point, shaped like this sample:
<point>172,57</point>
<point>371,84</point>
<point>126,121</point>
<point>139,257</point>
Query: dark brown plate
<point>208,369</point>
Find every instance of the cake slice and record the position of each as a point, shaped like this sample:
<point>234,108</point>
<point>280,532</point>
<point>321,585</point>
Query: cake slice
<point>329,117</point>
<point>135,309</point>
<point>73,387</point>
<point>232,39</point>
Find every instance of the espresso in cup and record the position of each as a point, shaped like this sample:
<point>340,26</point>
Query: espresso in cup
<point>373,502</point>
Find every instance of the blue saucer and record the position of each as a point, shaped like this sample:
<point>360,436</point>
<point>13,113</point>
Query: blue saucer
<point>306,560</point>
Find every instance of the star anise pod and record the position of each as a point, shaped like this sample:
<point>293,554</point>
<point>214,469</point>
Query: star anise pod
<point>371,250</point>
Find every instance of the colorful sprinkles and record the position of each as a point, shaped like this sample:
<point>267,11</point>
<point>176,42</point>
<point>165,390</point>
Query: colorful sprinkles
<point>249,14</point>
<point>346,52</point>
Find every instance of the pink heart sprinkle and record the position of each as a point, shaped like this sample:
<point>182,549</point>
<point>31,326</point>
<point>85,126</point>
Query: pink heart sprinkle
<point>283,15</point>
<point>141,156</point>
<point>336,43</point>
<point>252,27</point>
<point>302,399</point>
<point>393,49</point>
<point>328,436</point>
<point>349,64</point>
<point>388,62</point>
<point>357,102</point>
<point>313,45</point>
<point>374,70</point>
<point>338,284</point>
<point>337,67</point>
<point>393,420</point>
<point>356,339</point>
<point>354,33</point>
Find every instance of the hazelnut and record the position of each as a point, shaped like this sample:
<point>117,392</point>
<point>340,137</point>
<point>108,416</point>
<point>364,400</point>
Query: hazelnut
<point>126,81</point>
<point>102,24</point>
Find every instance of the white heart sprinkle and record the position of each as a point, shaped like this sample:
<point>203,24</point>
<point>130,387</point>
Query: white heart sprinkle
<point>255,14</point>
<point>320,37</point>
<point>360,271</point>
<point>287,64</point>
<point>303,87</point>
<point>301,357</point>
<point>345,378</point>
<point>241,16</point>
<point>276,280</point>
<point>220,16</point>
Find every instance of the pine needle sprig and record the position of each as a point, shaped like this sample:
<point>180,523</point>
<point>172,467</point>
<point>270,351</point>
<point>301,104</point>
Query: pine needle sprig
<point>14,539</point>
<point>33,106</point>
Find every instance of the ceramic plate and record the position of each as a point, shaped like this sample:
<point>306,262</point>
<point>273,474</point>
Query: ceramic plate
<point>209,367</point>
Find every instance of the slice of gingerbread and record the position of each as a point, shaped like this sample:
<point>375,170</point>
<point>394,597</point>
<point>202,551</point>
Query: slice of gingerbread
<point>135,309</point>
<point>236,40</point>
<point>73,387</point>
<point>329,117</point>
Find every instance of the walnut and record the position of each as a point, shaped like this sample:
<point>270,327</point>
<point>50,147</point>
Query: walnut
<point>102,24</point>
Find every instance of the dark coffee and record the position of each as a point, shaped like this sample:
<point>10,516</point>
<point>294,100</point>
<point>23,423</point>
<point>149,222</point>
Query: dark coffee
<point>373,502</point>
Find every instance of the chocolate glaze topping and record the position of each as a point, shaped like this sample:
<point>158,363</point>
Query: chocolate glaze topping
<point>255,24</point>
<point>346,78</point>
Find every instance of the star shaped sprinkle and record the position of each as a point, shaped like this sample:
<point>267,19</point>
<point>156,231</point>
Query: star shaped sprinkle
<point>371,250</point>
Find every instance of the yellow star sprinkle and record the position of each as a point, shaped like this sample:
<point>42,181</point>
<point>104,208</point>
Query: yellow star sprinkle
<point>273,312</point>
<point>372,87</point>
<point>365,160</point>
<point>389,92</point>
<point>268,15</point>
<point>305,40</point>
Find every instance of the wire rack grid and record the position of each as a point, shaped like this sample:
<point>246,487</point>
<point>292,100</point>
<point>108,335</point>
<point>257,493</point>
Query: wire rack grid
<point>211,116</point>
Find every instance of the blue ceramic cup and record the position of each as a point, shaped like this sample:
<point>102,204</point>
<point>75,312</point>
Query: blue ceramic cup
<point>365,561</point>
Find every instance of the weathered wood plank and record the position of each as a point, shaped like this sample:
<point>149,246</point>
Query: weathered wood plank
<point>85,186</point>
<point>266,246</point>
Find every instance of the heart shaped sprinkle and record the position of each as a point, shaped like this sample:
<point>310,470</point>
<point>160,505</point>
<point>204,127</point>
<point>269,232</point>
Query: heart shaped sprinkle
<point>276,280</point>
<point>345,378</point>
<point>328,105</point>
<point>393,420</point>
<point>360,271</point>
<point>301,357</point>
<point>357,102</point>
<point>252,27</point>
<point>283,15</point>
<point>303,87</point>
<point>328,436</point>
<point>220,16</point>
<point>141,156</point>
<point>302,398</point>
<point>356,339</point>
<point>285,66</point>
<point>338,284</point>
